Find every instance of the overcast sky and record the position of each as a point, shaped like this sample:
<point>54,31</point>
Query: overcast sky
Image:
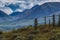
<point>24,4</point>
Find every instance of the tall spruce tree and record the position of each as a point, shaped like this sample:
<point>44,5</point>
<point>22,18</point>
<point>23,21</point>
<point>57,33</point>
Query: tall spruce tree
<point>53,20</point>
<point>45,20</point>
<point>35,23</point>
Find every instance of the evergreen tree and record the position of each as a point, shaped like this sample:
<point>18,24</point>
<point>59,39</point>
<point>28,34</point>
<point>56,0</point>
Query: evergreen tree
<point>35,23</point>
<point>45,20</point>
<point>53,20</point>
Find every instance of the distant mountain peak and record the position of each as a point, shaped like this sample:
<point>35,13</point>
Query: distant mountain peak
<point>35,6</point>
<point>37,11</point>
<point>52,3</point>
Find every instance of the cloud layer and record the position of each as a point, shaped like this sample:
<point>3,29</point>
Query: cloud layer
<point>23,4</point>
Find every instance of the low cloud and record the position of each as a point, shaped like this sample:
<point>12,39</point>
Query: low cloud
<point>7,10</point>
<point>24,4</point>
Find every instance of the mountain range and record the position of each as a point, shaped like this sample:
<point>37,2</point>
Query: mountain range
<point>37,11</point>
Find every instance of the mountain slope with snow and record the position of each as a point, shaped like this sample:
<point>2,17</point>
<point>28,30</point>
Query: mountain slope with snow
<point>22,18</point>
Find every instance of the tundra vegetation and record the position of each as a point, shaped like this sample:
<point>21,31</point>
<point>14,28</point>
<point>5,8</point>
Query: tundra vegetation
<point>37,32</point>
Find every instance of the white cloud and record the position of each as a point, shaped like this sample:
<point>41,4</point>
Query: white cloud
<point>24,4</point>
<point>18,10</point>
<point>26,1</point>
<point>54,0</point>
<point>6,10</point>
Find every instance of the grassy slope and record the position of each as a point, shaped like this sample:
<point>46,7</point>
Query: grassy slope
<point>29,33</point>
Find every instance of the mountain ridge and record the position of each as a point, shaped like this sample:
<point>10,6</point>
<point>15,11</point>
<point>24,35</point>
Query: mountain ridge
<point>29,14</point>
<point>37,11</point>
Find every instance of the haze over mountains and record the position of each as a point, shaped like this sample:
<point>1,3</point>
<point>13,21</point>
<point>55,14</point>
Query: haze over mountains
<point>29,14</point>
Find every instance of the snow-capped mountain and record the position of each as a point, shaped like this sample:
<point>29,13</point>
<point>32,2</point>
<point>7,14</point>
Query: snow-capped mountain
<point>37,11</point>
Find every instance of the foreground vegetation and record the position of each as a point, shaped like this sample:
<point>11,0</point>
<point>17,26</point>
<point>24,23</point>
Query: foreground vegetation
<point>29,33</point>
<point>42,32</point>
